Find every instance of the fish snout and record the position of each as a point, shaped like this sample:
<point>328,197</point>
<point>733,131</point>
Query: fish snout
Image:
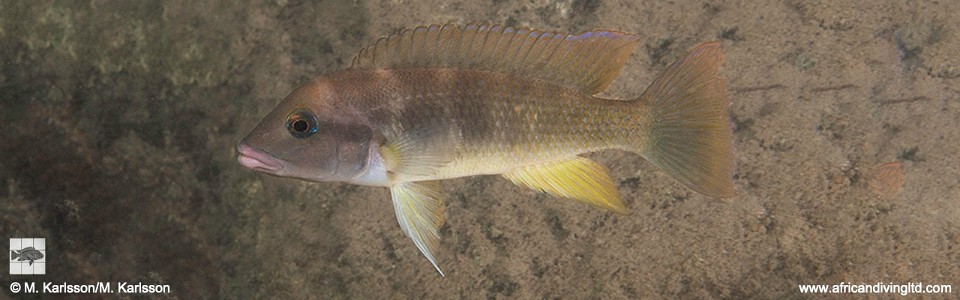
<point>257,160</point>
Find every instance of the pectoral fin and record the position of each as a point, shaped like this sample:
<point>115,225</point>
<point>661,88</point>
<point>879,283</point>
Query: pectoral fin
<point>417,153</point>
<point>419,208</point>
<point>580,178</point>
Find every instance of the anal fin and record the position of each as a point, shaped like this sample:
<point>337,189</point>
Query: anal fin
<point>419,207</point>
<point>580,178</point>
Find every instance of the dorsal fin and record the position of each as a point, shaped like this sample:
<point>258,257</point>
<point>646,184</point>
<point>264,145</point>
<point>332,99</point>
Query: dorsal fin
<point>588,61</point>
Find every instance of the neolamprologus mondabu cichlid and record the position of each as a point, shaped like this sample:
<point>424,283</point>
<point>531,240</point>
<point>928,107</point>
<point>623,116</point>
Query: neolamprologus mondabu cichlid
<point>442,102</point>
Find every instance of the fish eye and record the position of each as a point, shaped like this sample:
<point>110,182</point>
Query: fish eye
<point>302,123</point>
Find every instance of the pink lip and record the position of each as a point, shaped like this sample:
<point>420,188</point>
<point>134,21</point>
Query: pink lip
<point>258,160</point>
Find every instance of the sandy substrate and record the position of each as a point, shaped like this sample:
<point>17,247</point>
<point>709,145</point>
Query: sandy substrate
<point>119,123</point>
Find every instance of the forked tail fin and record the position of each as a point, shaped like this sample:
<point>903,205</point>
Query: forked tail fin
<point>690,135</point>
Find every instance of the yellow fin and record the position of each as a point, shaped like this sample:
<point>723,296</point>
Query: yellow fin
<point>579,178</point>
<point>588,61</point>
<point>419,207</point>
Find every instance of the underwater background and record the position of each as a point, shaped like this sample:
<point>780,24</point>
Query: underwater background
<point>118,122</point>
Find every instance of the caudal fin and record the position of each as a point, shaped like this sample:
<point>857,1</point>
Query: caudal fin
<point>14,255</point>
<point>690,136</point>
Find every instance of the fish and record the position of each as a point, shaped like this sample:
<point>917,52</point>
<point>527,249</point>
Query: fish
<point>28,253</point>
<point>447,101</point>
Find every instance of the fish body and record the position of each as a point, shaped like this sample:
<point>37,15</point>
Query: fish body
<point>443,102</point>
<point>28,253</point>
<point>486,123</point>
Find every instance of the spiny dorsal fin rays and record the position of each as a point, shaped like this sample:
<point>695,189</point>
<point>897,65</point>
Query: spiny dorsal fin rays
<point>419,207</point>
<point>447,41</point>
<point>588,61</point>
<point>580,178</point>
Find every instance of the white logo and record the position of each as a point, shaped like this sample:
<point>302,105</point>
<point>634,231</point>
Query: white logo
<point>28,256</point>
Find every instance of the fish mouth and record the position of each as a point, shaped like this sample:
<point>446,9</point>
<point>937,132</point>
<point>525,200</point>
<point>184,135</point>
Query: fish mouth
<point>254,159</point>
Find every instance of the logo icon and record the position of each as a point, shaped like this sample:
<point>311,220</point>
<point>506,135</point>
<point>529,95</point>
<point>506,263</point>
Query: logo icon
<point>27,256</point>
<point>28,253</point>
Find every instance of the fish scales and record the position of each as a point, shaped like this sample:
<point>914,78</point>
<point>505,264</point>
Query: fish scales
<point>505,121</point>
<point>438,102</point>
